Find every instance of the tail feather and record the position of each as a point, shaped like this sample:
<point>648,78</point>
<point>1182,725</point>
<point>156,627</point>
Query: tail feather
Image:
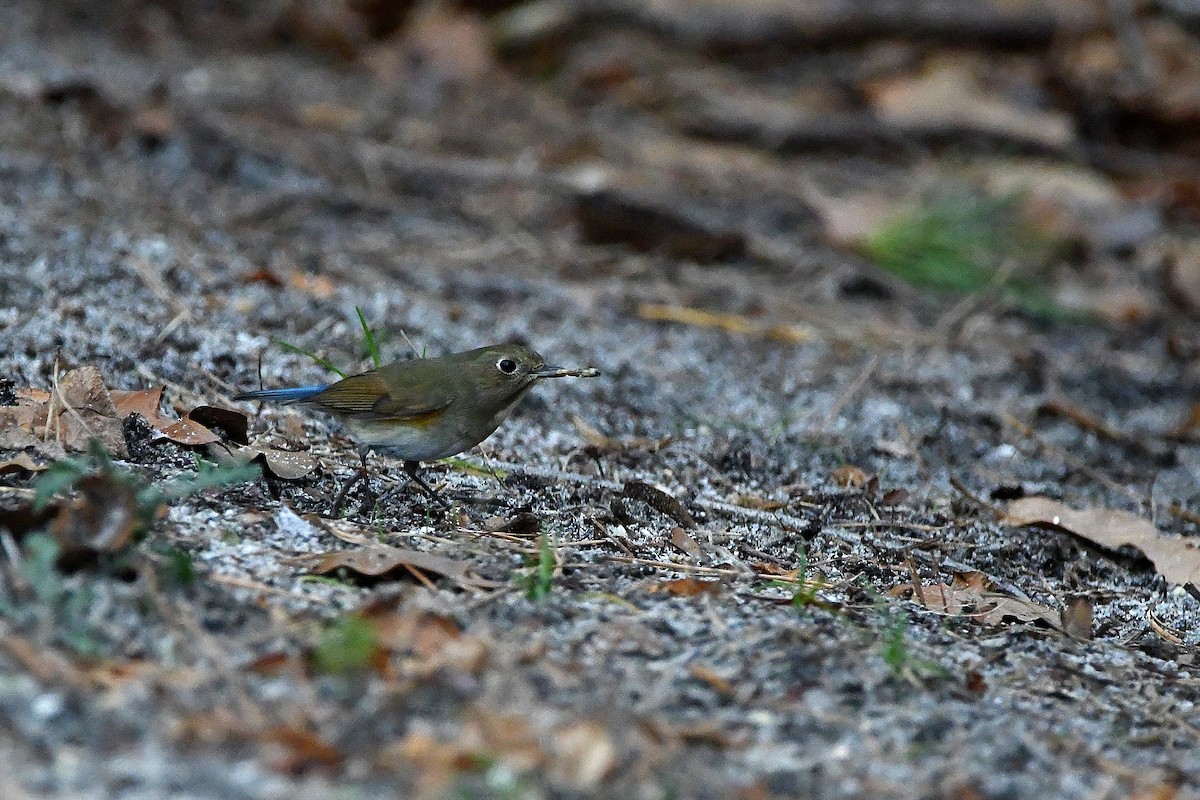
<point>295,394</point>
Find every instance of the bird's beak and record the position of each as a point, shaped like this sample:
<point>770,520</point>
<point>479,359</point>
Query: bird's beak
<point>548,371</point>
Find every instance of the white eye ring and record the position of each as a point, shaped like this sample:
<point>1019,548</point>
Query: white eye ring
<point>507,366</point>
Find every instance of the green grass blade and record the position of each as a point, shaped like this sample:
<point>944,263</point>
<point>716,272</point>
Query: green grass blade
<point>368,337</point>
<point>321,360</point>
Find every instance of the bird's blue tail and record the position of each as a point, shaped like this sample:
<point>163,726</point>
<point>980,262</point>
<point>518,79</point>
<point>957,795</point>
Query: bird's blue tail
<point>296,394</point>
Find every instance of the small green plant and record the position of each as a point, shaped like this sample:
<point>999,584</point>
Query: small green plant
<point>348,645</point>
<point>370,344</point>
<point>540,579</point>
<point>319,360</point>
<point>960,243</point>
<point>898,655</point>
<point>368,337</point>
<point>895,647</point>
<point>463,465</point>
<point>180,566</point>
<point>64,606</point>
<point>68,473</point>
<point>805,593</point>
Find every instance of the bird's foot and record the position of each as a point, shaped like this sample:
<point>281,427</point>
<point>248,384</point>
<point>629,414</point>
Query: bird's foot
<point>369,501</point>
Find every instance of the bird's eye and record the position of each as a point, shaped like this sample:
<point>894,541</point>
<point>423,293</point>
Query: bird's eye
<point>507,366</point>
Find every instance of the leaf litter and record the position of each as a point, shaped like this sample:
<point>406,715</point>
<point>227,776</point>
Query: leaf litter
<point>564,675</point>
<point>1175,558</point>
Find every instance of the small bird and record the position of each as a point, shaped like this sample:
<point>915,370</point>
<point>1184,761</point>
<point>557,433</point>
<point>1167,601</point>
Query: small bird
<point>426,408</point>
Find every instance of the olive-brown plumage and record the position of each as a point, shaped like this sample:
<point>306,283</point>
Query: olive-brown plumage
<point>427,408</point>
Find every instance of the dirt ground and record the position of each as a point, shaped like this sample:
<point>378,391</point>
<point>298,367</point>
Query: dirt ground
<point>763,555</point>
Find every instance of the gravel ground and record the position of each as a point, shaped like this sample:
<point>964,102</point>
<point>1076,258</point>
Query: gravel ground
<point>448,215</point>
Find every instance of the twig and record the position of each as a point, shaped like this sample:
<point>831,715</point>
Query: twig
<point>645,562</point>
<point>58,393</point>
<point>855,386</point>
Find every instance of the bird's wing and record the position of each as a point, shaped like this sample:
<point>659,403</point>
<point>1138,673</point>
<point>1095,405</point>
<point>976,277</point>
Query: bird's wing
<point>368,395</point>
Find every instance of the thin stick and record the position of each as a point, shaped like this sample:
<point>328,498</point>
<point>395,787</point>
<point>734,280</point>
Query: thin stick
<point>855,386</point>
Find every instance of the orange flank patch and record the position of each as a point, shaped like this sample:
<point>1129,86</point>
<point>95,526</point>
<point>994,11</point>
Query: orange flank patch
<point>419,421</point>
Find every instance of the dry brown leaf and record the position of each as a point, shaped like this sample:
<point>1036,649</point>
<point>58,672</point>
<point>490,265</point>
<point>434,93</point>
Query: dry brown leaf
<point>686,587</point>
<point>234,424</point>
<point>21,462</point>
<point>1118,304</point>
<point>775,571</point>
<point>659,500</point>
<point>849,476</point>
<point>970,594</point>
<point>757,503</point>
<point>583,754</point>
<point>83,389</point>
<point>1077,617</point>
<point>147,402</point>
<point>283,464</point>
<point>484,735</point>
<point>381,561</point>
<point>949,96</point>
<point>1176,559</point>
<point>1183,275</point>
<point>1004,607</point>
<point>847,222</point>
<point>89,414</point>
<point>82,409</point>
<point>303,749</point>
<point>685,543</point>
<point>706,675</point>
<point>318,287</point>
<point>607,444</point>
<point>101,520</point>
<point>332,116</point>
<point>1189,426</point>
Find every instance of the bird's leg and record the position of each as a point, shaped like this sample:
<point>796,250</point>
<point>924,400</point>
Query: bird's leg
<point>361,475</point>
<point>413,468</point>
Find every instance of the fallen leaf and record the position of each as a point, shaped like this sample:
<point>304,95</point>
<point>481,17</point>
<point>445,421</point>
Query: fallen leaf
<point>332,116</point>
<point>706,675</point>
<point>660,501</point>
<point>21,462</point>
<point>582,756</point>
<point>849,476</point>
<point>1117,304</point>
<point>318,287</point>
<point>303,748</point>
<point>607,444</point>
<point>685,543</point>
<point>970,594</point>
<point>147,402</point>
<point>949,97</point>
<point>522,523</point>
<point>283,464</point>
<point>1176,559</point>
<point>755,502</point>
<point>849,221</point>
<point>1183,275</point>
<point>686,587</point>
<point>234,424</point>
<point>381,561</point>
<point>1077,618</point>
<point>101,520</point>
<point>1189,426</point>
<point>83,390</point>
<point>188,432</point>
<point>1004,607</point>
